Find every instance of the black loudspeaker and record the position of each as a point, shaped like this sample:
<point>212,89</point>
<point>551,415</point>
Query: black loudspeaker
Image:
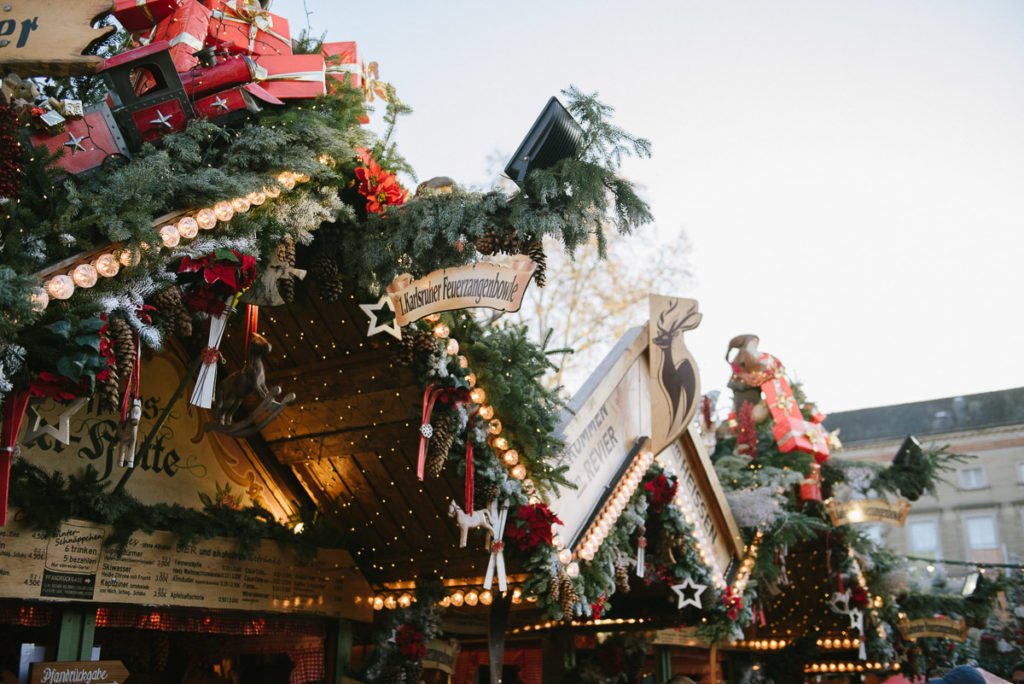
<point>554,137</point>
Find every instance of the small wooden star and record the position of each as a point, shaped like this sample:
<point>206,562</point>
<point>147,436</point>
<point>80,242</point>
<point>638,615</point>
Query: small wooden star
<point>684,588</point>
<point>62,433</point>
<point>75,143</point>
<point>371,310</point>
<point>220,103</point>
<point>162,119</point>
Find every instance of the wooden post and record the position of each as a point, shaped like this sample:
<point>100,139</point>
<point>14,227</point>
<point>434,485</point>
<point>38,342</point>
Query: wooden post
<point>339,652</point>
<point>664,662</point>
<point>498,620</point>
<point>713,662</point>
<point>77,629</point>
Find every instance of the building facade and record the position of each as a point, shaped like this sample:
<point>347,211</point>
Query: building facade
<point>977,514</point>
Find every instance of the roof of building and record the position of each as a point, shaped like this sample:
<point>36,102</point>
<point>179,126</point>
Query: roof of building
<point>935,416</point>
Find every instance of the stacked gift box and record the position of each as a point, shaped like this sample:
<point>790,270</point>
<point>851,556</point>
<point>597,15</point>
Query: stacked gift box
<point>213,59</point>
<point>792,431</point>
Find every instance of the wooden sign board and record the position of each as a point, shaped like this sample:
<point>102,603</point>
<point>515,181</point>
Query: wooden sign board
<point>936,627</point>
<point>496,284</point>
<point>441,655</point>
<point>78,672</point>
<point>48,37</point>
<point>867,510</point>
<point>684,636</point>
<point>182,463</point>
<point>675,379</point>
<point>77,566</point>
<point>608,418</point>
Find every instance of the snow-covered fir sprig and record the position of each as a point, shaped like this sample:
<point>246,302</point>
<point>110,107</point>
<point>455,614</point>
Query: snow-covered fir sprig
<point>12,356</point>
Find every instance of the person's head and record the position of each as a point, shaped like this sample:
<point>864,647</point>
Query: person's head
<point>1017,677</point>
<point>962,674</point>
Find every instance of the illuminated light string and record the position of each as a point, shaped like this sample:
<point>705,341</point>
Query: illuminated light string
<point>612,508</point>
<point>850,667</point>
<point>599,622</point>
<point>85,274</point>
<point>456,598</point>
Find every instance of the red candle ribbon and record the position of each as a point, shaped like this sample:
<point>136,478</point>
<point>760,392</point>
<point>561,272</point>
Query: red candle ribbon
<point>470,489</point>
<point>13,414</point>
<point>430,396</point>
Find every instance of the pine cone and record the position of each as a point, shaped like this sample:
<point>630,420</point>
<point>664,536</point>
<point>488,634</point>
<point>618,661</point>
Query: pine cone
<point>110,390</point>
<point>169,306</point>
<point>489,491</point>
<point>569,597</point>
<point>488,243</point>
<point>328,277</point>
<point>286,286</point>
<point>123,338</point>
<point>404,350</point>
<point>556,589</point>
<point>535,250</point>
<point>440,444</point>
<point>424,342</point>
<point>622,573</point>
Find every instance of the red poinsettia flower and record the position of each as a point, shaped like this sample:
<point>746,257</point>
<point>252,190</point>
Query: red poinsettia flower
<point>531,527</point>
<point>662,491</point>
<point>411,642</point>
<point>733,603</point>
<point>380,188</point>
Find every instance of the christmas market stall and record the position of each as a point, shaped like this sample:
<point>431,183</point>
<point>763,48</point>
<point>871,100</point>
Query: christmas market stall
<point>243,393</point>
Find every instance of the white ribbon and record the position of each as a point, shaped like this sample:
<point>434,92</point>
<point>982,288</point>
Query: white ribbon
<point>341,68</point>
<point>188,39</point>
<point>303,76</point>
<point>206,383</point>
<point>497,560</point>
<point>641,560</point>
<point>259,20</point>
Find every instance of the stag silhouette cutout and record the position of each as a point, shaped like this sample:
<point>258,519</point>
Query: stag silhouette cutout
<point>678,373</point>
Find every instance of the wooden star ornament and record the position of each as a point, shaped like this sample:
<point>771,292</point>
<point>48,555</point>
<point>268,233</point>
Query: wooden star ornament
<point>39,428</point>
<point>371,311</point>
<point>683,591</point>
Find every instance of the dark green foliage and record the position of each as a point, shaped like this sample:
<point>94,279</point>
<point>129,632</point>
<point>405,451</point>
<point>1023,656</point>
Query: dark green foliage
<point>15,308</point>
<point>84,496</point>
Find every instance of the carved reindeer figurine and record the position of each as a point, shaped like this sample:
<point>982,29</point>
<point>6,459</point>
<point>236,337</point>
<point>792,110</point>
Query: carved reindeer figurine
<point>466,521</point>
<point>251,377</point>
<point>128,435</point>
<point>678,375</point>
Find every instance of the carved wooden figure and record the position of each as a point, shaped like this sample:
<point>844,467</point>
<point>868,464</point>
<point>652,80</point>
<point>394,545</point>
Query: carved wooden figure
<point>467,521</point>
<point>128,435</point>
<point>250,378</point>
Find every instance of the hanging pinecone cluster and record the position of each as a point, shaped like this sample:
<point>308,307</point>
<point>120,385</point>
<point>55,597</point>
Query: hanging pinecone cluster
<point>324,266</point>
<point>122,338</point>
<point>414,342</point>
<point>170,308</point>
<point>286,286</point>
<point>492,242</point>
<point>489,491</point>
<point>563,592</point>
<point>440,443</point>
<point>622,572</point>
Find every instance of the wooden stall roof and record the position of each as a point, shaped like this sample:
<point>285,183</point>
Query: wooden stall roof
<point>351,438</point>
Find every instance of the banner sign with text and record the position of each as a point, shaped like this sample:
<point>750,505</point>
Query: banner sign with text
<point>48,37</point>
<point>497,284</point>
<point>76,565</point>
<point>78,672</point>
<point>867,510</point>
<point>935,627</point>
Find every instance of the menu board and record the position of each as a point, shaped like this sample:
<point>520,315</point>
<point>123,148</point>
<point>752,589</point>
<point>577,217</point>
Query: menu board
<point>76,565</point>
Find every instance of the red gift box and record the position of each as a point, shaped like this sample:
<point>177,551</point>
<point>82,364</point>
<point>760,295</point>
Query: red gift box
<point>810,487</point>
<point>86,142</point>
<point>185,30</point>
<point>295,77</point>
<point>233,101</point>
<point>343,63</point>
<point>779,397</point>
<point>241,26</point>
<point>136,15</point>
<point>797,434</point>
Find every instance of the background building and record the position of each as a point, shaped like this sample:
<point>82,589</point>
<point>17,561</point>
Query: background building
<point>978,514</point>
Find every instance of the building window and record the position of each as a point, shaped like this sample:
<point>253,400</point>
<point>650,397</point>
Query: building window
<point>981,532</point>
<point>923,536</point>
<point>973,478</point>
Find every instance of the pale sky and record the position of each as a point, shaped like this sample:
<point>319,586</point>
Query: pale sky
<point>850,174</point>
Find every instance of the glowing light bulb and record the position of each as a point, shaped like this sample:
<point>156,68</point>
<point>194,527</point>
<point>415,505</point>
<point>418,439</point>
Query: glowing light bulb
<point>206,219</point>
<point>286,179</point>
<point>240,205</point>
<point>457,599</point>
<point>477,395</point>
<point>452,347</point>
<point>486,412</point>
<point>572,570</point>
<point>170,235</point>
<point>472,598</point>
<point>60,287</point>
<point>106,265</point>
<point>272,191</point>
<point>471,379</point>
<point>486,597</point>
<point>223,211</point>
<point>188,227</point>
<point>300,177</point>
<point>390,603</point>
<point>441,330</point>
<point>256,198</point>
<point>84,275</point>
<point>39,300</point>
<point>519,472</point>
<point>565,556</point>
<point>405,600</point>
<point>500,443</point>
<point>463,362</point>
<point>130,256</point>
<point>378,603</point>
<point>494,427</point>
<point>510,457</point>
